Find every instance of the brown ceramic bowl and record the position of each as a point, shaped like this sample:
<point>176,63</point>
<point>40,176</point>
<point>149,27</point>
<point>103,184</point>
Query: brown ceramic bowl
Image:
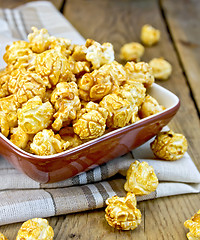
<point>54,168</point>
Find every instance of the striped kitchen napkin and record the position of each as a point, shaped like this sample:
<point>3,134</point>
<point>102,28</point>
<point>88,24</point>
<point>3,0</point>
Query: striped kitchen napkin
<point>22,198</point>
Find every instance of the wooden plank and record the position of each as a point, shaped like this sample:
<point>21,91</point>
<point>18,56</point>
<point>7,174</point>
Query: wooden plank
<point>13,3</point>
<point>183,21</point>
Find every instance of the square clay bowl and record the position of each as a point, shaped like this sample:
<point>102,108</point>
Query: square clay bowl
<point>54,168</point>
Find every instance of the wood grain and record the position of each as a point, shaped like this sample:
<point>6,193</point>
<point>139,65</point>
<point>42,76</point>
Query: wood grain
<point>119,22</point>
<point>183,20</point>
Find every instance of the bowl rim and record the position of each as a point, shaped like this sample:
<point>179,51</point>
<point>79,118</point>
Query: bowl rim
<point>108,135</point>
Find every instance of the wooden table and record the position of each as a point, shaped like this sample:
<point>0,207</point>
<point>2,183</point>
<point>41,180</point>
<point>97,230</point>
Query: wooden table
<point>119,22</point>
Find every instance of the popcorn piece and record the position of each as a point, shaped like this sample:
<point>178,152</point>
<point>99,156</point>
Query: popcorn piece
<point>150,107</point>
<point>169,145</point>
<point>161,68</point>
<point>39,40</point>
<point>8,116</point>
<point>134,92</point>
<point>19,137</point>
<point>35,115</point>
<point>91,121</point>
<point>68,135</point>
<point>149,35</point>
<point>35,229</point>
<point>132,52</point>
<point>17,54</point>
<point>67,103</point>
<point>141,179</point>
<point>4,78</point>
<point>119,110</point>
<point>94,86</point>
<point>26,86</point>
<point>79,53</point>
<point>121,212</point>
<point>99,54</point>
<point>54,67</point>
<point>4,126</point>
<point>47,143</point>
<point>2,237</point>
<point>140,72</point>
<point>194,227</point>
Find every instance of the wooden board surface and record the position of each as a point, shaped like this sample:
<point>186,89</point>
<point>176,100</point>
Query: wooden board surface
<point>183,21</point>
<point>119,22</point>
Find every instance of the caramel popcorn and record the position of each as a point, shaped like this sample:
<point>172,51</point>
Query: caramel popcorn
<point>141,179</point>
<point>8,114</point>
<point>26,86</point>
<point>54,67</point>
<point>169,145</point>
<point>149,35</point>
<point>17,54</point>
<point>68,135</point>
<point>140,72</point>
<point>35,229</point>
<point>35,116</point>
<point>131,52</point>
<point>119,110</point>
<point>2,237</point>
<point>92,123</point>
<point>161,68</point>
<point>97,84</point>
<point>149,107</point>
<point>4,79</point>
<point>121,212</point>
<point>39,40</point>
<point>99,54</point>
<point>19,137</point>
<point>47,143</point>
<point>194,227</point>
<point>134,92</point>
<point>67,103</point>
<point>55,95</point>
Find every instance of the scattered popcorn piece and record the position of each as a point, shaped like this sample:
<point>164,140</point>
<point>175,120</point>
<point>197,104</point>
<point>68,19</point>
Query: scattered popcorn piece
<point>35,115</point>
<point>131,52</point>
<point>119,110</point>
<point>121,212</point>
<point>47,143</point>
<point>2,237</point>
<point>194,227</point>
<point>169,145</point>
<point>92,123</point>
<point>99,54</point>
<point>19,137</point>
<point>140,72</point>
<point>67,103</point>
<point>161,68</point>
<point>149,35</point>
<point>141,179</point>
<point>35,229</point>
<point>149,107</point>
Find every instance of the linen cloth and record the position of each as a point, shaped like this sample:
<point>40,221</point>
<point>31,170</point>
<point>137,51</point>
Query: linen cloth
<point>22,198</point>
